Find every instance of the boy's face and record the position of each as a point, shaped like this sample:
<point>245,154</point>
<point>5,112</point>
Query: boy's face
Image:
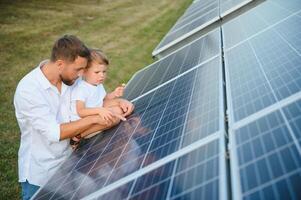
<point>96,74</point>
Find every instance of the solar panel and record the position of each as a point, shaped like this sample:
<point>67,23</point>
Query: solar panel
<point>199,15</point>
<point>267,69</point>
<point>197,174</point>
<point>198,52</point>
<point>242,28</point>
<point>165,121</point>
<point>268,159</point>
<point>263,76</point>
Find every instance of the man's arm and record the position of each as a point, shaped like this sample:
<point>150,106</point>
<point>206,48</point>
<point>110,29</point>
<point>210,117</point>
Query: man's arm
<point>39,116</point>
<point>71,129</point>
<point>99,127</point>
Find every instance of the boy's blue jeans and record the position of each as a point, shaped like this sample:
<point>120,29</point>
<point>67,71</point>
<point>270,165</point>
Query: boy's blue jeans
<point>28,190</point>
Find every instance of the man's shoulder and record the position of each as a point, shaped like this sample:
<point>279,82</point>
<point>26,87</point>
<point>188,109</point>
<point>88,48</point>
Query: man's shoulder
<point>28,83</point>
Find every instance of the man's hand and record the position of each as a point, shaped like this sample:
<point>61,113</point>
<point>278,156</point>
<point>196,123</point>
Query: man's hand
<point>126,106</point>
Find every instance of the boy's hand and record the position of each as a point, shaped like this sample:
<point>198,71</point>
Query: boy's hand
<point>108,115</point>
<point>118,115</point>
<point>118,92</point>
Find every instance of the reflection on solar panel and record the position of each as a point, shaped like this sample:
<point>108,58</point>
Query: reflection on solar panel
<point>186,177</point>
<point>219,118</point>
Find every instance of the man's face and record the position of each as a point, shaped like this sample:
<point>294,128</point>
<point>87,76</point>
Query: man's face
<point>72,70</point>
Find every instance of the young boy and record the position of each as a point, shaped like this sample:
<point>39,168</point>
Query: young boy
<point>89,95</point>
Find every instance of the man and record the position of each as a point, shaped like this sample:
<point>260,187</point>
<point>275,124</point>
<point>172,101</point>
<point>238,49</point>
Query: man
<point>42,106</point>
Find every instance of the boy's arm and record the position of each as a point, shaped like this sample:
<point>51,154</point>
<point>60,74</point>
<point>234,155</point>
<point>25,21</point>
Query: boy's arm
<point>110,96</point>
<point>82,111</point>
<point>102,112</point>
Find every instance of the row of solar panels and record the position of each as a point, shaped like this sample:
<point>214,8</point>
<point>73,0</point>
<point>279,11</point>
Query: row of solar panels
<point>174,145</point>
<point>198,16</point>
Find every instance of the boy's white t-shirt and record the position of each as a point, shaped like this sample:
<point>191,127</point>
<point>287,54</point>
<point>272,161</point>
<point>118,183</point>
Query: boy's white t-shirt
<point>90,94</point>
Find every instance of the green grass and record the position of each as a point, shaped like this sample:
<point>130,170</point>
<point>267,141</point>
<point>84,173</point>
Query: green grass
<point>127,30</point>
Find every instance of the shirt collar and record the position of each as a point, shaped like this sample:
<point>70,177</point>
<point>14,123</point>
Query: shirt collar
<point>41,76</point>
<point>45,83</point>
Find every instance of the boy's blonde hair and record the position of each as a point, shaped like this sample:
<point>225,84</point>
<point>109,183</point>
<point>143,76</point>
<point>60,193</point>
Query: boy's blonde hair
<point>98,57</point>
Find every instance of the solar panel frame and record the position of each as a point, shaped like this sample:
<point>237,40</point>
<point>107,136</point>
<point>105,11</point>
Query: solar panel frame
<point>235,6</point>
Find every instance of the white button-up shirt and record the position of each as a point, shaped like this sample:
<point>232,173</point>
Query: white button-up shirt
<point>40,109</point>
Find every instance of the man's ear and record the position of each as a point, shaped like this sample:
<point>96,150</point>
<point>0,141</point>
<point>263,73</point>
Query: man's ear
<point>60,64</point>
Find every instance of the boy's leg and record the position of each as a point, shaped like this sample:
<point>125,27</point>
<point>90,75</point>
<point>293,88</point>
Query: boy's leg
<point>28,190</point>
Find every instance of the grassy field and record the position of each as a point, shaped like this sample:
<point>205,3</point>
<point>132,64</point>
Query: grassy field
<point>127,30</point>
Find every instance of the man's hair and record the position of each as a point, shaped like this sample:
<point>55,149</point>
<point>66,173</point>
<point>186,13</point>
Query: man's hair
<point>68,48</point>
<point>98,57</point>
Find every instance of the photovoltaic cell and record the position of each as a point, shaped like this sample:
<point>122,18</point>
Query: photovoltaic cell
<point>175,64</point>
<point>195,175</point>
<point>199,15</point>
<point>242,28</point>
<point>199,10</point>
<point>164,122</point>
<point>268,158</point>
<point>264,69</point>
<point>250,90</point>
